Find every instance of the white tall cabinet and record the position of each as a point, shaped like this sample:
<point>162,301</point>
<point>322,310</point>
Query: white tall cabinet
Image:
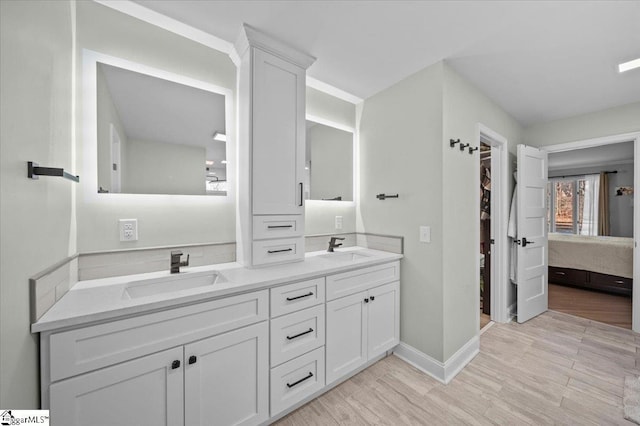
<point>271,149</point>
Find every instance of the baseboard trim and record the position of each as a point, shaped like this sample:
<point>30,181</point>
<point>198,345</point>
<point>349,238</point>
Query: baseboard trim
<point>442,372</point>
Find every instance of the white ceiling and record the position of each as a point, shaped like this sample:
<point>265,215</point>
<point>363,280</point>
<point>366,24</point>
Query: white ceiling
<point>539,60</point>
<point>157,110</point>
<point>606,155</point>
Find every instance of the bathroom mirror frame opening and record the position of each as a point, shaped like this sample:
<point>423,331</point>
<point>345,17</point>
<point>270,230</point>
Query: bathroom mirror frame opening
<point>91,61</point>
<point>330,197</point>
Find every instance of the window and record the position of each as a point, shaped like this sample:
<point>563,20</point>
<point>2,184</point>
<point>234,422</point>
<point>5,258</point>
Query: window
<point>573,205</point>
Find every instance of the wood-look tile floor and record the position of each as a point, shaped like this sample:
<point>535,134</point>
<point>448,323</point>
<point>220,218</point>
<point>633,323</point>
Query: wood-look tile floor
<point>484,320</point>
<point>554,369</point>
<point>608,308</point>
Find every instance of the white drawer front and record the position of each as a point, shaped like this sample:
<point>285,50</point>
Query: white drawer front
<point>296,296</point>
<point>351,282</point>
<point>266,227</point>
<point>296,380</point>
<point>296,333</point>
<point>278,251</point>
<point>85,349</point>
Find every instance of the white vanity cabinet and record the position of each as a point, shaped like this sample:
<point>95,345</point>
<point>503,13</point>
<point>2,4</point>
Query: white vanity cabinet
<point>197,365</point>
<point>271,149</point>
<point>361,325</point>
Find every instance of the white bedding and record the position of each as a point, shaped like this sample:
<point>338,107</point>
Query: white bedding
<point>606,255</point>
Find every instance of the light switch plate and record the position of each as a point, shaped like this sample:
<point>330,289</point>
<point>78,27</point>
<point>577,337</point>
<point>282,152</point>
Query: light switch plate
<point>128,229</point>
<point>425,234</point>
<point>338,222</point>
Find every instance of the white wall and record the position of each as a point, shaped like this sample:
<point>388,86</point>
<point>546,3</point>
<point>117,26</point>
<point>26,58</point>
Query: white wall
<point>36,216</point>
<point>613,121</point>
<point>401,133</point>
<point>464,107</point>
<point>151,168</point>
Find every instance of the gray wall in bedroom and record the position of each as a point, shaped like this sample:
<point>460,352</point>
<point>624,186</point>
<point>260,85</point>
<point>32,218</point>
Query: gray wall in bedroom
<point>620,207</point>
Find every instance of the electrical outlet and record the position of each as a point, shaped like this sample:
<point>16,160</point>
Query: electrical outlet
<point>128,229</point>
<point>338,222</point>
<point>425,234</point>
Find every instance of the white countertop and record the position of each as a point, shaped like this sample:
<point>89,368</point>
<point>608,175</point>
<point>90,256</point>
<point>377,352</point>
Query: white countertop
<point>105,299</point>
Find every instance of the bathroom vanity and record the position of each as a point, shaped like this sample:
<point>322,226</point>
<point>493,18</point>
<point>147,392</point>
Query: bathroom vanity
<point>221,344</point>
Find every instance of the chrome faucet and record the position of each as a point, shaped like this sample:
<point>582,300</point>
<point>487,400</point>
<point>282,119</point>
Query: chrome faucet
<point>332,244</point>
<point>176,263</point>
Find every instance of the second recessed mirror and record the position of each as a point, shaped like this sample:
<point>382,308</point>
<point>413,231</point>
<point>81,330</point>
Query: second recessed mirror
<point>329,163</point>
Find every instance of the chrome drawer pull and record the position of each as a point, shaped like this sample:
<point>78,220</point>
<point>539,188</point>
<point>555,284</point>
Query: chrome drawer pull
<point>279,226</point>
<point>279,251</point>
<point>310,330</point>
<point>290,385</point>
<point>619,282</point>
<point>560,273</point>
<point>300,297</point>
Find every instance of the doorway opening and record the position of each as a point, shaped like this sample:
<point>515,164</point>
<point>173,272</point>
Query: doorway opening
<point>491,233</point>
<point>591,226</point>
<point>485,234</point>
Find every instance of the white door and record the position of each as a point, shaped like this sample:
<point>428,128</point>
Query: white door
<point>384,319</point>
<point>532,232</point>
<point>145,391</point>
<point>278,142</point>
<point>346,335</point>
<point>116,162</point>
<point>226,378</point>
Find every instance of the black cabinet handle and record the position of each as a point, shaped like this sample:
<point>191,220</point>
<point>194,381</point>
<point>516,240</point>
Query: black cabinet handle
<point>373,298</point>
<point>300,297</point>
<point>175,364</point>
<point>279,226</point>
<point>366,300</point>
<point>290,385</point>
<point>279,251</point>
<point>193,359</point>
<point>310,330</point>
<point>301,193</point>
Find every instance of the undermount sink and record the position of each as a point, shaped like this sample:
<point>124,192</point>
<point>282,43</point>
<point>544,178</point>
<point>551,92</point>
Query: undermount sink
<point>344,256</point>
<point>177,282</point>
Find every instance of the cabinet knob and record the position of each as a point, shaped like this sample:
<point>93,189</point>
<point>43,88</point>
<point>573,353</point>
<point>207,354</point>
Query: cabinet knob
<point>373,298</point>
<point>175,364</point>
<point>366,300</point>
<point>193,359</point>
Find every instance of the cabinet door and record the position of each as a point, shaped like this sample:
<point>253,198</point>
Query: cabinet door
<point>384,318</point>
<point>145,391</point>
<point>278,135</point>
<point>346,335</point>
<point>227,383</point>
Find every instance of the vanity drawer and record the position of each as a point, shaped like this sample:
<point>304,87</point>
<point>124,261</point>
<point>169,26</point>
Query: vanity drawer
<point>297,379</point>
<point>296,333</point>
<point>278,251</point>
<point>351,282</point>
<point>287,226</point>
<point>296,296</point>
<point>611,283</point>
<point>85,349</point>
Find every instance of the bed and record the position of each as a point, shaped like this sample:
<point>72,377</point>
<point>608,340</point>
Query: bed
<point>594,262</point>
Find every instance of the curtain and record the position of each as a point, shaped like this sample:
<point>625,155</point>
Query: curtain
<point>603,205</point>
<point>591,206</point>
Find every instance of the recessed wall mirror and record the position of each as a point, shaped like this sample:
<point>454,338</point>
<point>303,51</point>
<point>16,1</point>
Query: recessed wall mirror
<point>157,136</point>
<point>329,163</point>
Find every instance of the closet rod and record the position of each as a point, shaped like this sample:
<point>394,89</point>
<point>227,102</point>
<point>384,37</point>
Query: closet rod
<point>584,174</point>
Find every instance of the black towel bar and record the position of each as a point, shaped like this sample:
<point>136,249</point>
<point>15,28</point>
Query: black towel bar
<point>34,170</point>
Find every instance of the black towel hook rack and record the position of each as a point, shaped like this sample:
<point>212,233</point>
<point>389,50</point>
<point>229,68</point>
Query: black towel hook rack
<point>385,196</point>
<point>34,170</point>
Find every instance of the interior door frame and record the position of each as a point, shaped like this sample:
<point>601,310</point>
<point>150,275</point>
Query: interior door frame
<point>609,140</point>
<point>500,202</point>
